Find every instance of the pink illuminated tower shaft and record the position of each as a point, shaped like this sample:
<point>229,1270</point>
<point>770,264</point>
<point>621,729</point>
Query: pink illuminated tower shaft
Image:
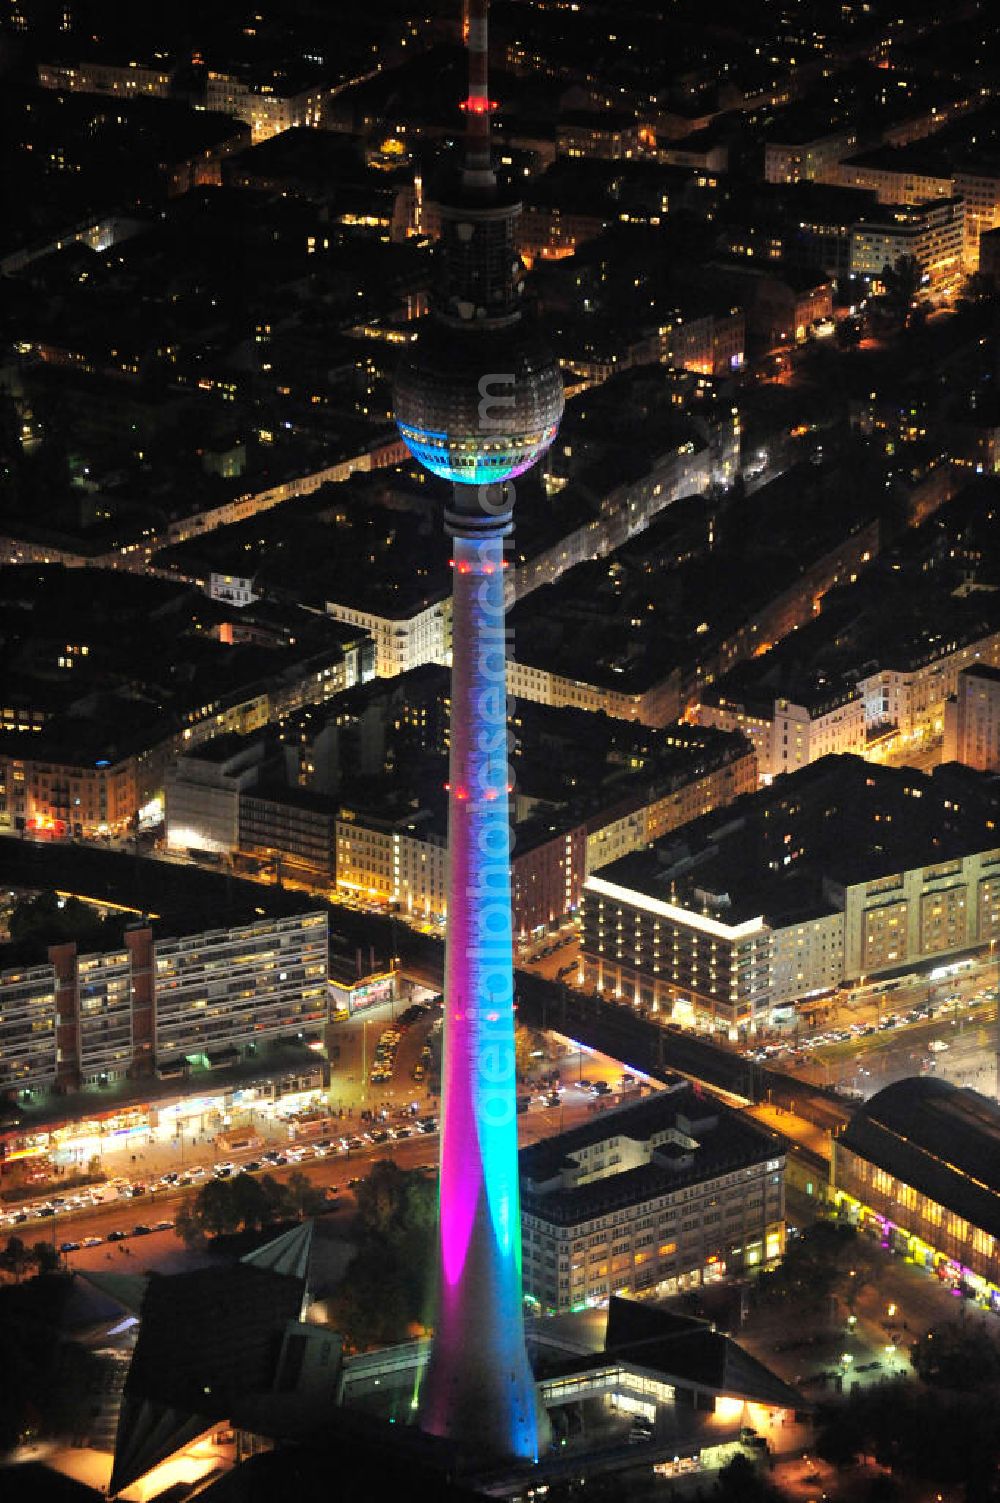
<point>478,1382</point>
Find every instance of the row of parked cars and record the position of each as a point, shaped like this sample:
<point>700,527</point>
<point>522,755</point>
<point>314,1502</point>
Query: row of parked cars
<point>385,1056</point>
<point>139,1230</point>
<point>789,1047</point>
<point>184,1179</point>
<point>557,942</point>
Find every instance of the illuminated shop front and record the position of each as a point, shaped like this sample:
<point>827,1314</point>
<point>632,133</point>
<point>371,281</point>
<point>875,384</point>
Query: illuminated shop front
<point>358,994</point>
<point>918,1167</point>
<point>173,1119</point>
<point>895,1238</point>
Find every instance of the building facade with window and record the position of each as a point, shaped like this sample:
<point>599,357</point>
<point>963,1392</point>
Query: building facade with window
<point>222,990</point>
<point>972,719</point>
<point>154,1005</point>
<point>651,1199</point>
<point>666,956</point>
<point>27,1028</point>
<point>418,634</point>
<point>840,870</point>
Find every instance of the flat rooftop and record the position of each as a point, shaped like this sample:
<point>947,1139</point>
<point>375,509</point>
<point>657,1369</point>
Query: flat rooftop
<point>839,820</point>
<point>681,1136</point>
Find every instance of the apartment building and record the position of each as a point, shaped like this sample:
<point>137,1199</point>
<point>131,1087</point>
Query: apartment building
<point>27,1028</point>
<point>688,467</point>
<point>105,1034</point>
<point>152,1004</point>
<point>220,991</point>
<point>653,1199</point>
<point>657,705</point>
<point>122,80</point>
<point>931,234</point>
<point>47,789</point>
<point>910,691</point>
<point>94,774</point>
<point>979,189</point>
<point>807,159</point>
<point>915,697</point>
<point>716,779</point>
<point>972,720</point>
<point>787,735</point>
<point>268,107</point>
<point>418,635</point>
<point>598,135</point>
<point>904,175</point>
<point>401,860</point>
<point>942,908</point>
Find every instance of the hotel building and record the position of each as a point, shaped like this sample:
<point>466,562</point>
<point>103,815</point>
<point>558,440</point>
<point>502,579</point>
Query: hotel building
<point>841,870</point>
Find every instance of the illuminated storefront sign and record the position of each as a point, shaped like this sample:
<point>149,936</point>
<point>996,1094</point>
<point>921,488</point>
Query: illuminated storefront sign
<point>373,991</point>
<point>898,1239</point>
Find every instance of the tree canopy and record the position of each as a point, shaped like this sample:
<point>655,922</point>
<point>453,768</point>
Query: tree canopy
<point>387,1292</point>
<point>49,919</point>
<point>829,1258</point>
<point>247,1202</point>
<point>958,1355</point>
<point>941,1438</point>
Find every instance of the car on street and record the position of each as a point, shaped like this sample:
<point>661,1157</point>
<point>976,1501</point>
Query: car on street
<point>117,1236</point>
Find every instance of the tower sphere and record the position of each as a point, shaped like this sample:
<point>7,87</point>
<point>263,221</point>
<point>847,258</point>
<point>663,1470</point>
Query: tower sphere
<point>480,407</point>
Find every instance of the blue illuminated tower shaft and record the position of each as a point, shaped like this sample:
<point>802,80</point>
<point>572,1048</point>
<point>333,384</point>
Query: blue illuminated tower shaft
<point>478,1382</point>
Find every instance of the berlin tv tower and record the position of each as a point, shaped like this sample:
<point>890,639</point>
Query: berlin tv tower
<point>477,401</point>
